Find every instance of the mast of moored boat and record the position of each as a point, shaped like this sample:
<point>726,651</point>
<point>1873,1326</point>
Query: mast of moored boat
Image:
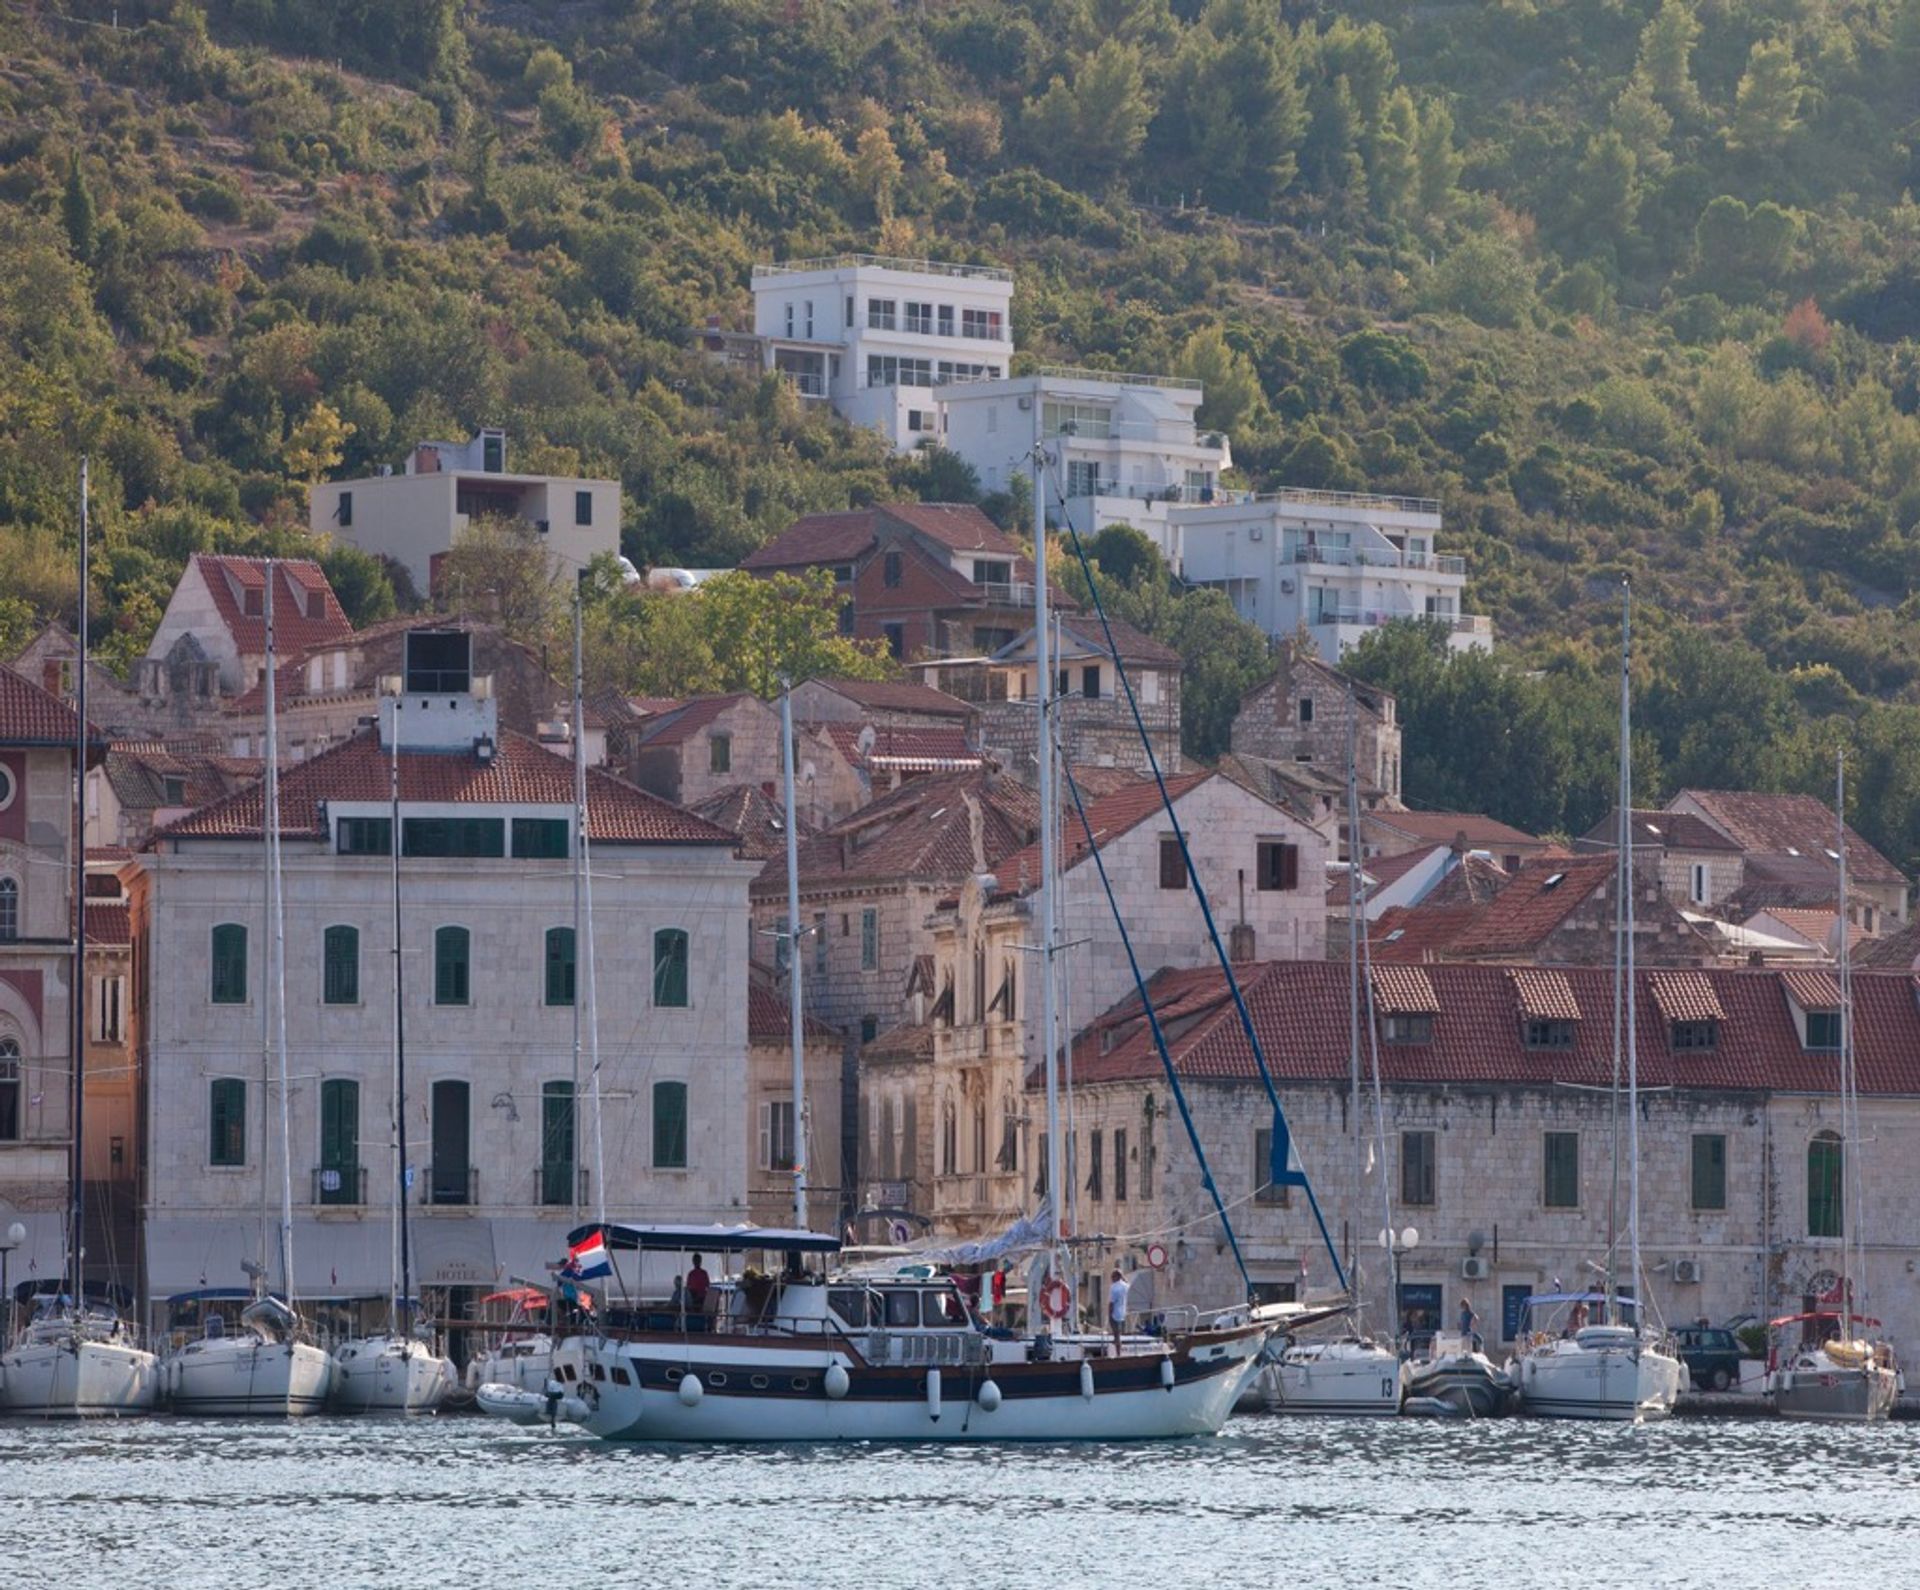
<point>401,1280</point>
<point>77,1196</point>
<point>1057,1186</point>
<point>1630,1021</point>
<point>1849,1098</point>
<point>273,991</point>
<point>583,936</point>
<point>1622,939</point>
<point>795,1019</point>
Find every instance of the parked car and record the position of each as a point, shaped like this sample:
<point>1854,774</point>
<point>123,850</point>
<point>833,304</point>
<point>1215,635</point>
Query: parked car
<point>1712,1355</point>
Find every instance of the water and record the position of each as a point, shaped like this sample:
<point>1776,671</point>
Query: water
<point>465,1501</point>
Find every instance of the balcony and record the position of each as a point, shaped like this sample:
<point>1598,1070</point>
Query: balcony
<point>887,262</point>
<point>1070,372</point>
<point>558,1183</point>
<point>450,1184</point>
<point>341,1186</point>
<point>977,1193</point>
<point>1014,593</point>
<point>1377,558</point>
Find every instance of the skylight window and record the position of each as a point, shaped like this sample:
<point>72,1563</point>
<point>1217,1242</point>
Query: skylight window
<point>1394,935</point>
<point>1791,851</point>
<point>1832,854</point>
<point>1653,828</point>
<point>1554,882</point>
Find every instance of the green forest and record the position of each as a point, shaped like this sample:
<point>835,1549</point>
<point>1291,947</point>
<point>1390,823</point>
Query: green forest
<point>1634,287</point>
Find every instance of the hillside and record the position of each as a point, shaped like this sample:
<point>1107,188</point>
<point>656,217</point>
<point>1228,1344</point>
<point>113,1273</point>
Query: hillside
<point>1635,289</point>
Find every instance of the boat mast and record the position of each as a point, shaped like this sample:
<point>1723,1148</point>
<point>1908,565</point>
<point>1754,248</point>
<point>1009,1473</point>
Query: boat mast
<point>1043,670</point>
<point>274,993</point>
<point>1849,1099</point>
<point>583,933</point>
<point>1622,931</point>
<point>579,938</point>
<point>796,1024</point>
<point>1353,1017</point>
<point>77,994</point>
<point>1632,992</point>
<point>398,1304</point>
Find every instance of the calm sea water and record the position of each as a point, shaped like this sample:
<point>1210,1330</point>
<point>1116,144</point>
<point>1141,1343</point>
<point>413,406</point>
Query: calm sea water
<point>160,1503</point>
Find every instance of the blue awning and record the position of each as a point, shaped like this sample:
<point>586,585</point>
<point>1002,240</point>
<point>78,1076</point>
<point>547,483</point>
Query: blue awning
<point>706,1239</point>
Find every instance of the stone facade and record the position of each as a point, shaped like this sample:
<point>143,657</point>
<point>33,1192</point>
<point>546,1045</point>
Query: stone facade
<point>1301,716</point>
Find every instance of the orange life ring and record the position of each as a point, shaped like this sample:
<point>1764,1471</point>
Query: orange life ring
<point>1055,1299</point>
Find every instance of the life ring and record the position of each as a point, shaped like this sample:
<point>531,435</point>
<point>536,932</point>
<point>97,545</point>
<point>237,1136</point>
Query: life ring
<point>1055,1299</point>
<point>1156,1256</point>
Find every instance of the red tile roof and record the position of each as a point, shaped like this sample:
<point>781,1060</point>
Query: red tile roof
<point>1899,950</point>
<point>1812,989</point>
<point>756,817</point>
<point>1444,827</point>
<point>1542,895</point>
<point>1664,830</point>
<point>1797,826</point>
<point>305,610</point>
<point>1380,870</point>
<point>933,750</point>
<point>1542,995</point>
<point>768,1013</point>
<point>108,925</point>
<point>889,695</point>
<point>845,537</point>
<point>31,716</point>
<point>1110,816</point>
<point>521,772</point>
<point>1299,1010</point>
<point>1403,991</point>
<point>1685,996</point>
<point>681,723</point>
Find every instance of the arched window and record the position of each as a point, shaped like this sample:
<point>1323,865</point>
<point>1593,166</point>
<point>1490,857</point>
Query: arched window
<point>670,1126</point>
<point>9,1090</point>
<point>949,1138</point>
<point>670,968</point>
<point>9,910</point>
<point>230,964</point>
<point>451,950</point>
<point>340,983</point>
<point>1008,1159</point>
<point>1826,1182</point>
<point>560,967</point>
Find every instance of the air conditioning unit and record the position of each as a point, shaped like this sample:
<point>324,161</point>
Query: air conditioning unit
<point>1475,1269</point>
<point>1026,405</point>
<point>1286,586</point>
<point>1256,532</point>
<point>1686,1272</point>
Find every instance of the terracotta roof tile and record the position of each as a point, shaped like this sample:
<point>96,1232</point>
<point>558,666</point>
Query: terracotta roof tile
<point>108,924</point>
<point>1665,830</point>
<point>1796,826</point>
<point>769,1017</point>
<point>845,537</point>
<point>1685,996</point>
<point>1542,895</point>
<point>676,726</point>
<point>1380,870</point>
<point>1110,816</point>
<point>305,610</point>
<point>1543,995</point>
<point>931,750</point>
<point>521,772</point>
<point>892,695</point>
<point>1811,988</point>
<point>1403,991</point>
<point>757,818</point>
<point>1445,827</point>
<point>31,716</point>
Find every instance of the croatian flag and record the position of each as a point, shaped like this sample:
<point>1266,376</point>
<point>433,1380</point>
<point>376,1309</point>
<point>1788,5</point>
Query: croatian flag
<point>587,1258</point>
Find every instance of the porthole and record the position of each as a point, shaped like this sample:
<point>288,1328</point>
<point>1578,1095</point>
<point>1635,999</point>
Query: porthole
<point>758,1382</point>
<point>801,1383</point>
<point>597,1372</point>
<point>673,1376</point>
<point>717,1378</point>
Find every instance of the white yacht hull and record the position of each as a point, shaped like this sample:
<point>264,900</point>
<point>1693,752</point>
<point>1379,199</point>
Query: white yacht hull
<point>78,1380</point>
<point>1567,1381</point>
<point>635,1391</point>
<point>1835,1393</point>
<point>381,1374</point>
<point>1338,1378</point>
<point>237,1377</point>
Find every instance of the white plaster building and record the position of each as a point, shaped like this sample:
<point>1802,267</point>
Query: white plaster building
<point>416,516</point>
<point>1338,563</point>
<point>500,1156</point>
<point>215,623</point>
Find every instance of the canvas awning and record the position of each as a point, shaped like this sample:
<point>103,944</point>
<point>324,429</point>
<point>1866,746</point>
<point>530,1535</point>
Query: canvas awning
<point>331,1258</point>
<point>42,1255</point>
<point>454,1250</point>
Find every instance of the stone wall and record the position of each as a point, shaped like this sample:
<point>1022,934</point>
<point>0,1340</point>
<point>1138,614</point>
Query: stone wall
<point>1301,714</point>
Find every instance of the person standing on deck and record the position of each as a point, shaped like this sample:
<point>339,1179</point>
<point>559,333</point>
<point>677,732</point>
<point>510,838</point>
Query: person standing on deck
<point>1117,1307</point>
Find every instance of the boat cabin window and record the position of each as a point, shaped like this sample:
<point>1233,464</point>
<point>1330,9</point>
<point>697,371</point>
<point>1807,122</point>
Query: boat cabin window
<point>902,1310</point>
<point>854,1306</point>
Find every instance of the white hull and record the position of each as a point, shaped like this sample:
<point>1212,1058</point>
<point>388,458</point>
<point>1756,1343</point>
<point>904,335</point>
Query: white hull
<point>1834,1392</point>
<point>383,1374</point>
<point>1343,1379</point>
<point>527,1367</point>
<point>513,1403</point>
<point>245,1377</point>
<point>1565,1380</point>
<point>756,1395</point>
<point>85,1380</point>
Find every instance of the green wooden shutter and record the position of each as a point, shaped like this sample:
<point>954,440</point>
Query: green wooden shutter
<point>227,1121</point>
<point>670,1125</point>
<point>560,971</point>
<point>450,966</point>
<point>230,964</point>
<point>342,969</point>
<point>670,968</point>
<point>556,1142</point>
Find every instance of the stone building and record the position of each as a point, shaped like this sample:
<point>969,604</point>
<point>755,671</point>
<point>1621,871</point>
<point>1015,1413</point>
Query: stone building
<point>1391,833</point>
<point>1299,718</point>
<point>1093,720</point>
<point>217,616</point>
<point>499,1146</point>
<point>1498,1140</point>
<point>143,784</point>
<point>697,749</point>
<point>1699,867</point>
<point>770,1112</point>
<point>146,707</point>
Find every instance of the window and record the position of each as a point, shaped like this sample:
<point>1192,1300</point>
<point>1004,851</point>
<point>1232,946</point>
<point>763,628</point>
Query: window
<point>364,836</point>
<point>1418,1157</point>
<point>1119,1164</point>
<point>560,966</point>
<point>820,944</point>
<point>719,753</point>
<point>556,1143</point>
<point>1415,1026</point>
<point>344,513</point>
<point>1090,682</point>
<point>869,1028</point>
<point>1092,421</point>
<point>982,325</point>
<point>670,1126</point>
<point>883,369</point>
<point>1826,1200</point>
<point>1823,1029</point>
<point>896,635</point>
<point>670,968</point>
<point>542,838</point>
<point>1709,1170</point>
<point>1562,1171</point>
<point>945,317</point>
<point>227,1121</point>
<point>870,940</point>
<point>882,315</point>
<point>9,1090</point>
<point>439,662</point>
<point>808,318</point>
<point>229,964</point>
<point>1695,1034</point>
<point>1697,885</point>
<point>1306,709</point>
<point>890,571</point>
<point>1265,1191</point>
<point>451,950</point>
<point>849,312</point>
<point>1083,477</point>
<point>340,975</point>
<point>1173,866</point>
<point>450,1178</point>
<point>1279,864</point>
<point>1549,1034</point>
<point>339,1179</point>
<point>919,318</point>
<point>583,507</point>
<point>789,310</point>
<point>992,571</point>
<point>109,1006</point>
<point>1096,1155</point>
<point>846,618</point>
<point>920,419</point>
<point>9,910</point>
<point>776,1135</point>
<point>453,836</point>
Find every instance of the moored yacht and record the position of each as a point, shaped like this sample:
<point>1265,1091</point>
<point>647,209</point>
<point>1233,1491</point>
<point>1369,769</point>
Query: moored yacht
<point>517,1352</point>
<point>76,1363</point>
<point>389,1374</point>
<point>261,1368</point>
<point>1454,1370</point>
<point>1606,1369</point>
<point>1352,1375</point>
<point>1842,1378</point>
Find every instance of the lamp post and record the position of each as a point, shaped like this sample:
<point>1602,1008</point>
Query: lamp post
<point>1397,1243</point>
<point>16,1234</point>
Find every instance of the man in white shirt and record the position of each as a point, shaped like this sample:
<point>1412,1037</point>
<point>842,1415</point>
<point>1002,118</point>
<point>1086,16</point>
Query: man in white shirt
<point>1117,1308</point>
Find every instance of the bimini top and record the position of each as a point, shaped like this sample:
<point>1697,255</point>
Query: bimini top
<point>706,1239</point>
<point>1579,1297</point>
<point>212,1294</point>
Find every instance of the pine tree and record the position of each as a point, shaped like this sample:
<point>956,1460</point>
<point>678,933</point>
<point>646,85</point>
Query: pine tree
<point>78,212</point>
<point>1766,106</point>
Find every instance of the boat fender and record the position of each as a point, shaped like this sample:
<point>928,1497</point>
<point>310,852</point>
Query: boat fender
<point>988,1396</point>
<point>691,1391</point>
<point>576,1410</point>
<point>1086,1378</point>
<point>1166,1373</point>
<point>933,1394</point>
<point>837,1382</point>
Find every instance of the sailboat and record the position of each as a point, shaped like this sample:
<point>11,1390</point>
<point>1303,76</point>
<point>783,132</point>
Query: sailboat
<point>77,1358</point>
<point>1351,1374</point>
<point>394,1371</point>
<point>1608,1364</point>
<point>1846,1376</point>
<point>268,1367</point>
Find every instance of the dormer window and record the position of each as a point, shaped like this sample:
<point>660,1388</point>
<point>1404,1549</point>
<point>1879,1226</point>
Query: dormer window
<point>1823,1029</point>
<point>253,601</point>
<point>1694,1035</point>
<point>1549,1034</point>
<point>1407,1027</point>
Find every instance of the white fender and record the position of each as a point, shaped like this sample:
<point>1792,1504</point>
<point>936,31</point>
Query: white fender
<point>1086,1378</point>
<point>575,1410</point>
<point>1166,1373</point>
<point>837,1382</point>
<point>933,1393</point>
<point>988,1396</point>
<point>691,1391</point>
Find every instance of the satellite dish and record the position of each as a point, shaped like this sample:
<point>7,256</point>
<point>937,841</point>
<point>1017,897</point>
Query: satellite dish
<point>900,1231</point>
<point>863,741</point>
<point>1476,1240</point>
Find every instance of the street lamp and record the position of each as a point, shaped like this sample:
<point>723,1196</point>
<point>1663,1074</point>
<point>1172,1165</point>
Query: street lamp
<point>1397,1243</point>
<point>16,1234</point>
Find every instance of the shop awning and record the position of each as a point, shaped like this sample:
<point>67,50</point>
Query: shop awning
<point>454,1250</point>
<point>331,1258</point>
